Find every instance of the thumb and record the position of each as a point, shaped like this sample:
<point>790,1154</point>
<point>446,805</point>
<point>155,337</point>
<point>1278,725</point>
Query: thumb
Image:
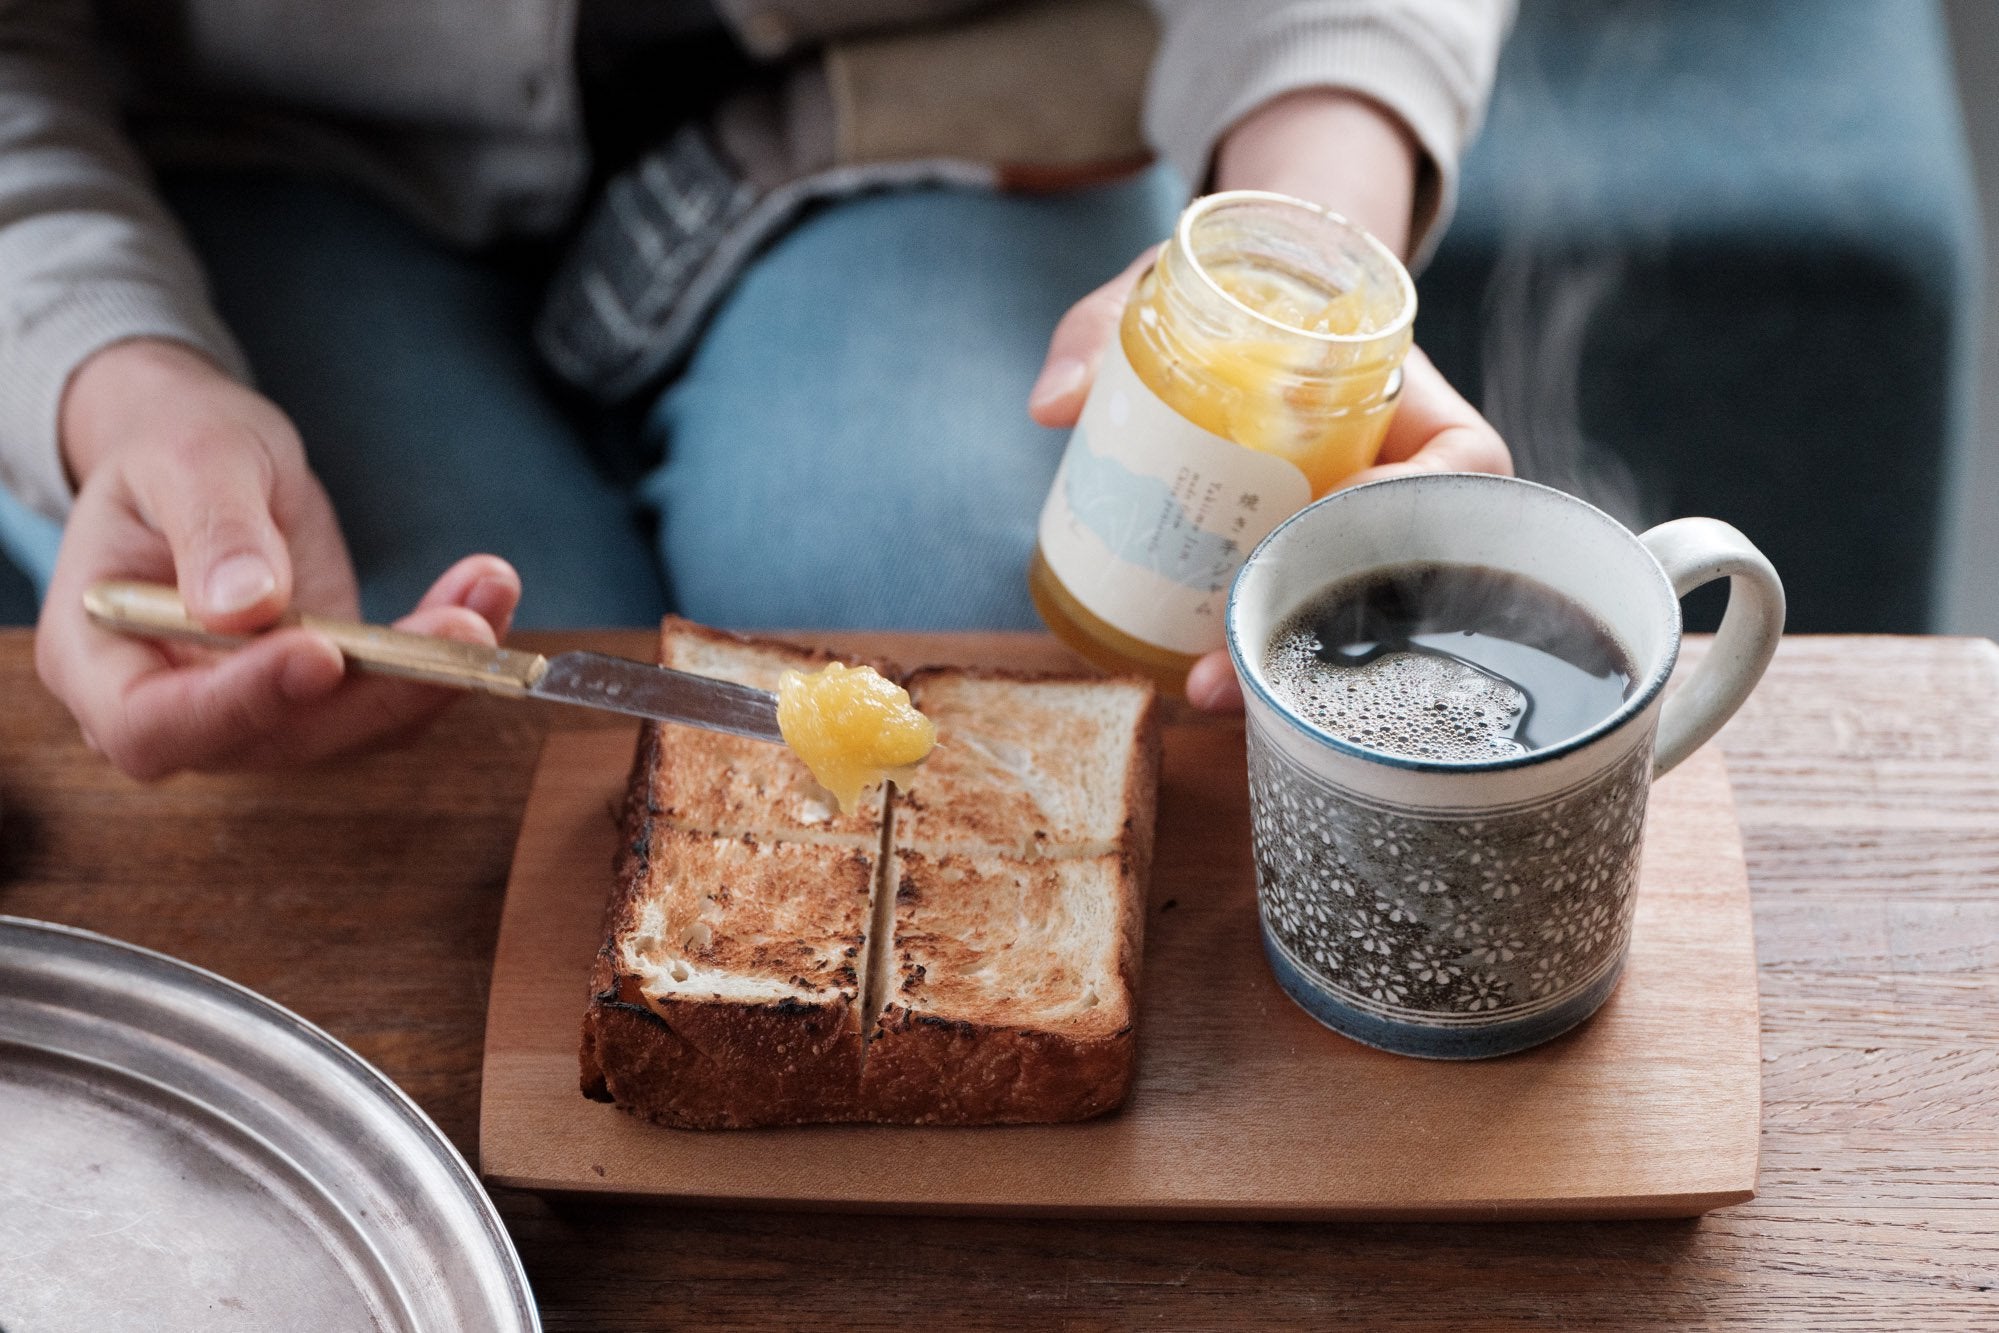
<point>1078,345</point>
<point>212,504</point>
<point>1212,685</point>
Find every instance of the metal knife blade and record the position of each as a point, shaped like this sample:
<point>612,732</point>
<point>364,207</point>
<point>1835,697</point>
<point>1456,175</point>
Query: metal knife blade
<point>620,685</point>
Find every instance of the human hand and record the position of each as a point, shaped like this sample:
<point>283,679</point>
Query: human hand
<point>186,477</point>
<point>1371,179</point>
<point>1433,430</point>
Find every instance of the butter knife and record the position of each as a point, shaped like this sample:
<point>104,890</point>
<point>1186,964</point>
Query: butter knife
<point>590,680</point>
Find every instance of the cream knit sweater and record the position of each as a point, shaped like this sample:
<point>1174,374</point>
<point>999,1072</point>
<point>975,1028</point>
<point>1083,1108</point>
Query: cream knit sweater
<point>488,142</point>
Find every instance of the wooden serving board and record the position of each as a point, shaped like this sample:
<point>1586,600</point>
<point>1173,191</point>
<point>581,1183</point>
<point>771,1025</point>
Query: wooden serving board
<point>1244,1107</point>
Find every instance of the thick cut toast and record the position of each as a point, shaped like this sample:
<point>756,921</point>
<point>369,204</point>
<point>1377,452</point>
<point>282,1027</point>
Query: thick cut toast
<point>709,781</point>
<point>963,953</point>
<point>1012,992</point>
<point>1035,766</point>
<point>728,989</point>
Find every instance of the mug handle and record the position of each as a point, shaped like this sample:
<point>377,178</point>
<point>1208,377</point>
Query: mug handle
<point>1694,551</point>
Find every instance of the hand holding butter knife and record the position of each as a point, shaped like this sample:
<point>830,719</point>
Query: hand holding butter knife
<point>591,680</point>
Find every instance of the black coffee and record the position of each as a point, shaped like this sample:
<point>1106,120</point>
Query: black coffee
<point>1446,661</point>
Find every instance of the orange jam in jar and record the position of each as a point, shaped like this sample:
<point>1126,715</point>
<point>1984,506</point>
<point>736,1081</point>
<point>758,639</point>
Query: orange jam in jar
<point>1256,367</point>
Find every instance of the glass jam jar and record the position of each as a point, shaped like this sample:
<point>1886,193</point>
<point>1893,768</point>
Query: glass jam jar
<point>1256,366</point>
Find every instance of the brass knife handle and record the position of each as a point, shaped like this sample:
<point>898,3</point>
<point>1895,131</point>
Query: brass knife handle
<point>155,611</point>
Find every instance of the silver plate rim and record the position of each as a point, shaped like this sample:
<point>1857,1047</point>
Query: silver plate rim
<point>334,1057</point>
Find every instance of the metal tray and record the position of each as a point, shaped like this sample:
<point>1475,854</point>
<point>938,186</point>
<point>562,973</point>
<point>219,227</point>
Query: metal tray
<point>177,1152</point>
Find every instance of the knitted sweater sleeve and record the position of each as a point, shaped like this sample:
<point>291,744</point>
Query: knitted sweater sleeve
<point>88,255</point>
<point>1430,62</point>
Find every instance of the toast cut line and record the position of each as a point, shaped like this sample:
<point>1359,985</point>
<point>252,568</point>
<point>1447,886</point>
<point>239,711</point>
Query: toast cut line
<point>880,957</point>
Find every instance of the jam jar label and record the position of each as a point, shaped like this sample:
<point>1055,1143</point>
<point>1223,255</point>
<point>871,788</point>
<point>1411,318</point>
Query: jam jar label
<point>1151,516</point>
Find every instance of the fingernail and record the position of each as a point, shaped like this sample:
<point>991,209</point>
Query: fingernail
<point>1211,684</point>
<point>491,598</point>
<point>238,583</point>
<point>1059,380</point>
<point>1201,690</point>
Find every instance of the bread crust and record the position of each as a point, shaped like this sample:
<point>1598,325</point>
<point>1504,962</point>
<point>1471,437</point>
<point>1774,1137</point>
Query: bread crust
<point>925,1070</point>
<point>701,1065</point>
<point>698,1063</point>
<point>628,879</point>
<point>1142,782</point>
<point>694,1062</point>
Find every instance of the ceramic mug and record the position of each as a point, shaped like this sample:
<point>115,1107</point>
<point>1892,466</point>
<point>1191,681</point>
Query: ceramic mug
<point>1467,909</point>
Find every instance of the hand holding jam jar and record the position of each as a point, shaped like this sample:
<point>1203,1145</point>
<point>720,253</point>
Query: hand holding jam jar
<point>1257,365</point>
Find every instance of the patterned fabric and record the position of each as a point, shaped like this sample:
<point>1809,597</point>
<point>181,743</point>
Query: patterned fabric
<point>614,308</point>
<point>1444,917</point>
<point>662,247</point>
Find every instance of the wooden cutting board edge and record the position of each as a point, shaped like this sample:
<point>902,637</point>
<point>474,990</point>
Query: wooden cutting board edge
<point>1728,1176</point>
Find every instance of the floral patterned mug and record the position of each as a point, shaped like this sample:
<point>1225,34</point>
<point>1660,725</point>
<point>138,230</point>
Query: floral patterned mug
<point>1462,909</point>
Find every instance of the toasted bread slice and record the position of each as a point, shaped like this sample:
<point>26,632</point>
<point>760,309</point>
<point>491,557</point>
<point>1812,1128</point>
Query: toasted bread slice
<point>717,783</point>
<point>728,990</point>
<point>1013,990</point>
<point>1030,766</point>
<point>966,952</point>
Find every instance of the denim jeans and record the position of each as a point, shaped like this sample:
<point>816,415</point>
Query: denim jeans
<point>848,445</point>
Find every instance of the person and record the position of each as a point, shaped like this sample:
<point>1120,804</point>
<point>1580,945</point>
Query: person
<point>843,440</point>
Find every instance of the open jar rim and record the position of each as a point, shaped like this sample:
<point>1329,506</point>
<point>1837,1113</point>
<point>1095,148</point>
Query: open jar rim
<point>1381,261</point>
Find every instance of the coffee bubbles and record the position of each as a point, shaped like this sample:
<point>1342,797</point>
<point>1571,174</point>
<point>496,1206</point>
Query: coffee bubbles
<point>1405,703</point>
<point>1447,663</point>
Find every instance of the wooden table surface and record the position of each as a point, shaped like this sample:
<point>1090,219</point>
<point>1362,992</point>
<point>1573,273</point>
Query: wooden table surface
<point>366,896</point>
